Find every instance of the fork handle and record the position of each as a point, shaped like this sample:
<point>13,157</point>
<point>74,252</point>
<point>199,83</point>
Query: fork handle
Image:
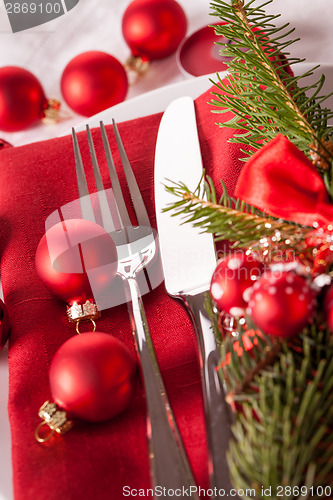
<point>169,464</point>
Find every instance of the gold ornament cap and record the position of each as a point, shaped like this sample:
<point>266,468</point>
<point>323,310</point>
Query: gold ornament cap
<point>54,418</point>
<point>138,64</point>
<point>51,112</point>
<point>81,312</point>
<point>136,67</point>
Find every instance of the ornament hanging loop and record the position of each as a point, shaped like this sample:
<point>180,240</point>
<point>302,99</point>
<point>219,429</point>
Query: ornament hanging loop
<point>48,436</point>
<point>53,417</point>
<point>77,325</point>
<point>83,312</point>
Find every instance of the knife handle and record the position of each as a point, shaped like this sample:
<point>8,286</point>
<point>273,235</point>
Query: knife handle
<point>217,412</point>
<point>169,464</point>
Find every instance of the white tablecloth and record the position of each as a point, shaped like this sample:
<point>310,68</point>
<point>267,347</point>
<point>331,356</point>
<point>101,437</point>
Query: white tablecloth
<point>96,25</point>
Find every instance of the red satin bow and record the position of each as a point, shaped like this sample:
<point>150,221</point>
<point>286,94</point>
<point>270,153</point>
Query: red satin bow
<point>279,180</point>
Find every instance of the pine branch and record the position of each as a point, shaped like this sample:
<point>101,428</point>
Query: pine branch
<point>284,434</point>
<point>269,66</point>
<point>263,96</point>
<point>282,394</point>
<point>244,230</point>
<point>269,356</point>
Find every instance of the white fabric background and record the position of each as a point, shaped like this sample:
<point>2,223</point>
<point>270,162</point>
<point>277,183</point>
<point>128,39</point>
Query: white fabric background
<point>96,25</point>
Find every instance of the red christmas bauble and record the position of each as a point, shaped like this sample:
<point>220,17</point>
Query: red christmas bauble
<point>92,376</point>
<point>321,240</point>
<point>22,99</point>
<point>282,303</point>
<point>153,29</point>
<point>4,324</point>
<point>93,81</point>
<point>69,256</point>
<point>323,259</point>
<point>228,325</point>
<point>233,276</point>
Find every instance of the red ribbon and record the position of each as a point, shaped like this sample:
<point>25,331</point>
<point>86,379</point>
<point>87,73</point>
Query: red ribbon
<point>279,180</point>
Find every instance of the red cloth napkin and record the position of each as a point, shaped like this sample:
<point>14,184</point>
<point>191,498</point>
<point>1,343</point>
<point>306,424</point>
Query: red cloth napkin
<point>91,461</point>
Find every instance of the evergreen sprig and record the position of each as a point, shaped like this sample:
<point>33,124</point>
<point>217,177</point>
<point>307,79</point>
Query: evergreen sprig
<point>284,433</point>
<point>260,90</point>
<point>282,393</point>
<point>233,220</point>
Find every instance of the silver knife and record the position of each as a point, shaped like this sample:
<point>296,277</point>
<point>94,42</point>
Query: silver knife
<point>188,259</point>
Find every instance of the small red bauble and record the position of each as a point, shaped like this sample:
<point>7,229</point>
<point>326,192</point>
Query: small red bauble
<point>92,376</point>
<point>4,325</point>
<point>153,29</point>
<point>321,240</point>
<point>228,325</point>
<point>282,303</point>
<point>323,258</point>
<point>22,99</point>
<point>69,256</point>
<point>233,276</point>
<point>93,81</point>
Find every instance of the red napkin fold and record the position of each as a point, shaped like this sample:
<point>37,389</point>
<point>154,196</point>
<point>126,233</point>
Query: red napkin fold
<point>92,461</point>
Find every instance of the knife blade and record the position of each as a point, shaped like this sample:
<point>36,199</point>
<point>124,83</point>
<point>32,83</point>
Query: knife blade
<point>188,260</point>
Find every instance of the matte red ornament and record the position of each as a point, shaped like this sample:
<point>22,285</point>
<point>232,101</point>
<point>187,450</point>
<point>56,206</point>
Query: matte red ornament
<point>233,276</point>
<point>4,324</point>
<point>22,99</point>
<point>69,256</point>
<point>282,303</point>
<point>153,29</point>
<point>92,377</point>
<point>93,81</point>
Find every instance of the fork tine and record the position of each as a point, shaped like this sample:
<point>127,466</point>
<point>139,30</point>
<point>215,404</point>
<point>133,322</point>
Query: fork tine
<point>107,219</point>
<point>87,211</point>
<point>139,206</point>
<point>114,180</point>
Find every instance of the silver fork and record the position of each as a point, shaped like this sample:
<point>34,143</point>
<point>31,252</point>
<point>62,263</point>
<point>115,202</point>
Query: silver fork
<point>136,246</point>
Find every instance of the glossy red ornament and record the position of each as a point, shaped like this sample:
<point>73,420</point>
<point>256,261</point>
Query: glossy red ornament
<point>22,99</point>
<point>92,376</point>
<point>323,259</point>
<point>321,239</point>
<point>93,81</point>
<point>233,276</point>
<point>228,325</point>
<point>69,256</point>
<point>153,29</point>
<point>4,324</point>
<point>200,53</point>
<point>282,303</point>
